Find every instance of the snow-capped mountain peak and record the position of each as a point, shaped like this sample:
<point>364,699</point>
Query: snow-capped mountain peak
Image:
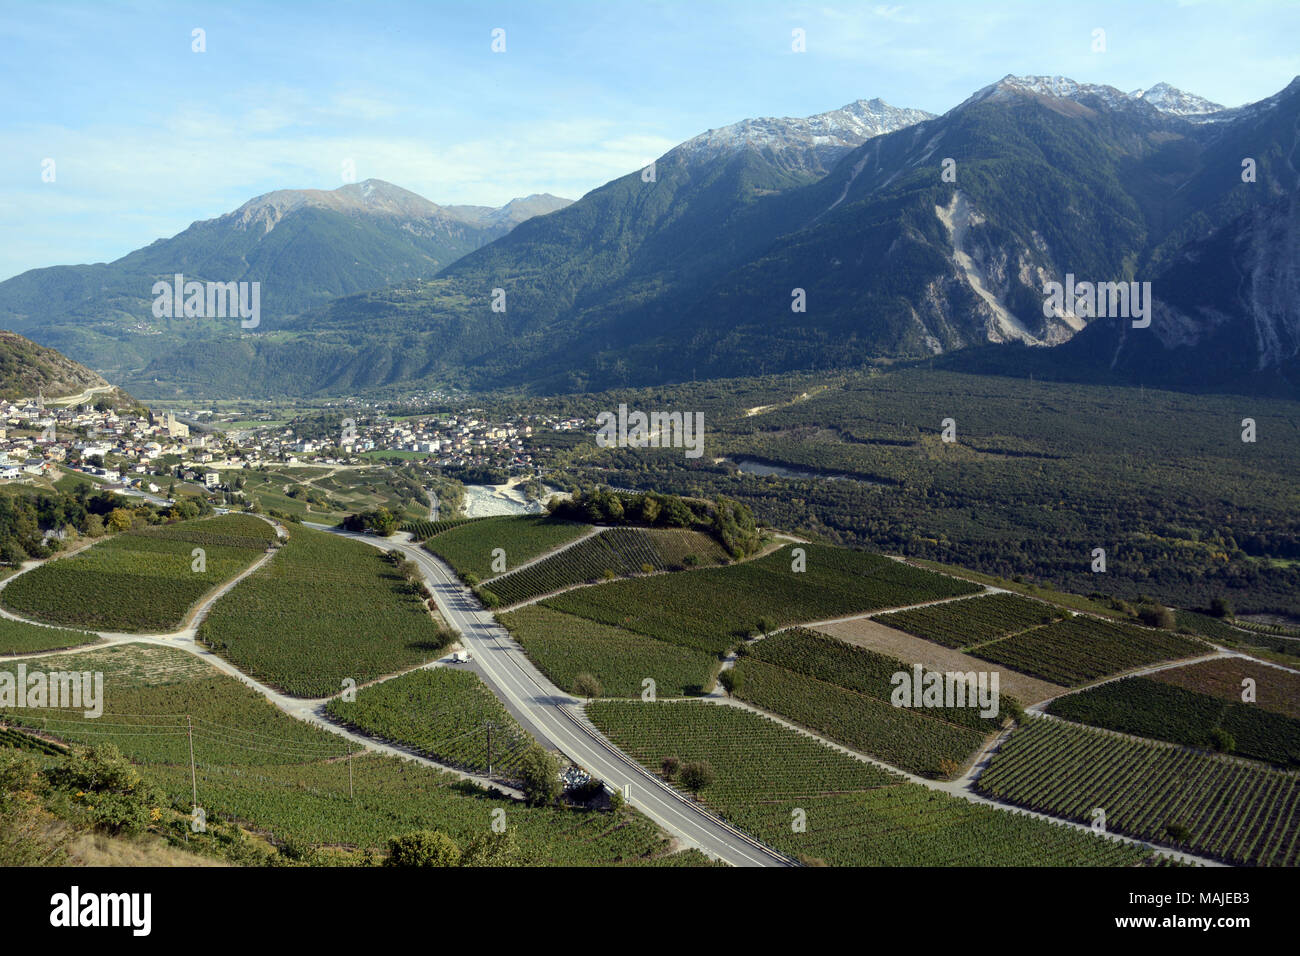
<point>1162,97</point>
<point>1170,99</point>
<point>1058,87</point>
<point>826,136</point>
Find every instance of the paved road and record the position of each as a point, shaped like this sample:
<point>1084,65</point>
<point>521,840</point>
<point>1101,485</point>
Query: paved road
<point>79,397</point>
<point>557,719</point>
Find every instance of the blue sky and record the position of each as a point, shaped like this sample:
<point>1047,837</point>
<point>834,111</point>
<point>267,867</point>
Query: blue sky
<point>148,136</point>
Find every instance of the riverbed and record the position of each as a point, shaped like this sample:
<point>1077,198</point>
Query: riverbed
<point>483,501</point>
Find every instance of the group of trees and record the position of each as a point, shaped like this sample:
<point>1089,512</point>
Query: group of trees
<point>379,521</point>
<point>539,776</point>
<point>26,516</point>
<point>596,504</point>
<point>731,522</point>
<point>694,775</point>
<point>425,848</point>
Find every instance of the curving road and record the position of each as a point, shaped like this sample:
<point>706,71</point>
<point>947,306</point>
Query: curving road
<point>556,719</point>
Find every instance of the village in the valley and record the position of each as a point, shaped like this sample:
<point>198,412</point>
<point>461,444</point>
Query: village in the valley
<point>146,451</point>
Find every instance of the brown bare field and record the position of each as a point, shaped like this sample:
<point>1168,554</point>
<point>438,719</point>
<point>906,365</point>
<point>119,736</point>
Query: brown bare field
<point>874,636</point>
<point>96,849</point>
<point>1275,689</point>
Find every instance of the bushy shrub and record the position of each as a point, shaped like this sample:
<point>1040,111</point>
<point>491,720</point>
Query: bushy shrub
<point>423,848</point>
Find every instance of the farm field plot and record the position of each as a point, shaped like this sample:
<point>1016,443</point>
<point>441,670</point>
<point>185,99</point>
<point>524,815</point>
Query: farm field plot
<point>289,779</point>
<point>149,691</point>
<point>423,529</point>
<point>856,814</point>
<point>1214,806</point>
<point>1053,596</point>
<point>324,609</point>
<point>961,624</point>
<point>271,491</point>
<point>564,646</point>
<point>902,738</point>
<point>620,552</point>
<point>866,672</point>
<point>139,581</point>
<point>1240,634</point>
<point>1082,649</point>
<point>316,494</point>
<point>19,637</point>
<point>1214,628</point>
<point>309,803</point>
<point>874,636</point>
<point>713,608</point>
<point>1276,690</point>
<point>468,548</point>
<point>440,712</point>
<point>1150,708</point>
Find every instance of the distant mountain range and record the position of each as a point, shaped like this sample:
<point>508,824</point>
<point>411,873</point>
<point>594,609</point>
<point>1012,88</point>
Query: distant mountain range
<point>690,267</point>
<point>305,247</point>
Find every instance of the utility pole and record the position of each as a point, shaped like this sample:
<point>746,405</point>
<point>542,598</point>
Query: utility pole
<point>350,795</point>
<point>194,780</point>
<point>489,742</point>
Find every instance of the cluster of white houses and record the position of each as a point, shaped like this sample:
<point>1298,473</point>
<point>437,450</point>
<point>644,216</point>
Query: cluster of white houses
<point>35,438</point>
<point>445,441</point>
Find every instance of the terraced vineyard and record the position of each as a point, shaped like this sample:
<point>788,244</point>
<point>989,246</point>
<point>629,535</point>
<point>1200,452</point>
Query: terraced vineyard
<point>1151,708</point>
<point>443,714</point>
<point>903,738</point>
<point>620,552</point>
<point>1276,690</point>
<point>308,802</point>
<point>19,637</point>
<point>713,608</point>
<point>1243,633</point>
<point>960,624</point>
<point>866,672</point>
<point>468,547</point>
<point>856,814</point>
<point>1082,649</point>
<point>424,529</point>
<point>564,646</point>
<point>150,690</point>
<point>139,580</point>
<point>324,609</point>
<point>290,780</point>
<point>1214,806</point>
<point>25,741</point>
<point>1216,629</point>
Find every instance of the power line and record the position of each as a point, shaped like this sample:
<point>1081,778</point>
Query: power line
<point>245,745</point>
<point>266,739</point>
